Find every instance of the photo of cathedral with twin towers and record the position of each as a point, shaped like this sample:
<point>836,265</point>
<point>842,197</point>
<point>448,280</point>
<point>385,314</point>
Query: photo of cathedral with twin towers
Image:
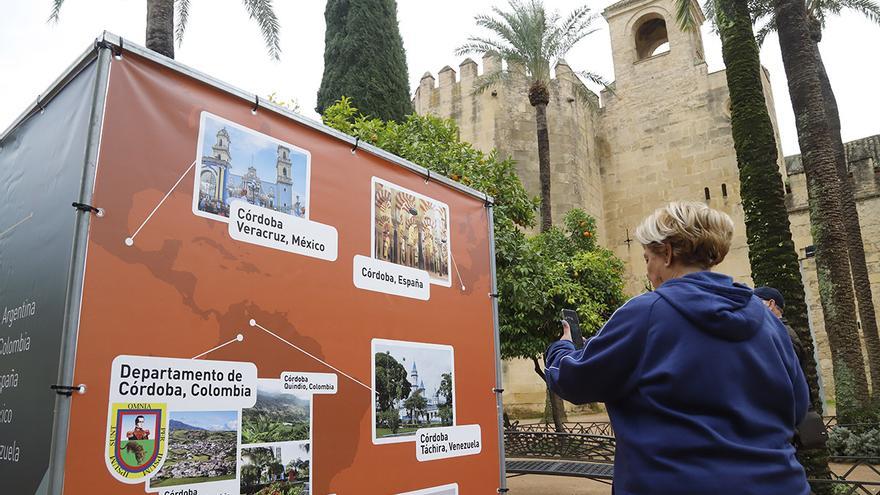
<point>237,163</point>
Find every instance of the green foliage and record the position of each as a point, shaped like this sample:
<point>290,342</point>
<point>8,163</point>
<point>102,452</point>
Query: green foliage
<point>392,382</point>
<point>268,427</point>
<point>364,59</point>
<point>390,419</point>
<point>537,276</point>
<point>434,144</point>
<point>854,442</point>
<point>559,268</point>
<point>445,415</point>
<point>446,389</point>
<point>416,405</point>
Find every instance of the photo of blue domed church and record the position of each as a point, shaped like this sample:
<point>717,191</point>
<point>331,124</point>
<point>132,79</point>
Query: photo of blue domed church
<point>239,163</point>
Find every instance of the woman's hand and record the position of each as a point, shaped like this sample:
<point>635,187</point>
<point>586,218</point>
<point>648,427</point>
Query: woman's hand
<point>566,331</point>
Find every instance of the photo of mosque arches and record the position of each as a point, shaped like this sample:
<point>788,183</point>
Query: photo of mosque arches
<point>414,386</point>
<point>411,230</point>
<point>235,162</point>
<point>275,468</point>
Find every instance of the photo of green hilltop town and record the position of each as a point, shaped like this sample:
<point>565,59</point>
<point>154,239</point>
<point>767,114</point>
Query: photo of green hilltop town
<point>201,448</point>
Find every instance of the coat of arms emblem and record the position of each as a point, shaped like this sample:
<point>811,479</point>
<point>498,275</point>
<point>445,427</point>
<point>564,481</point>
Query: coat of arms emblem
<point>136,438</point>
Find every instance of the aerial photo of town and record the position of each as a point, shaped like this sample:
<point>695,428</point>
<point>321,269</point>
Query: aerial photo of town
<point>201,448</point>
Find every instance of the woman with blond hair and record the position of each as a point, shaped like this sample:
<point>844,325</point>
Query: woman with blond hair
<point>700,380</point>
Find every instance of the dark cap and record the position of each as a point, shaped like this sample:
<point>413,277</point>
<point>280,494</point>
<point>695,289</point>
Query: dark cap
<point>769,293</point>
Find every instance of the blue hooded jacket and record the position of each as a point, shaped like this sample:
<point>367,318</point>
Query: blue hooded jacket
<point>702,386</point>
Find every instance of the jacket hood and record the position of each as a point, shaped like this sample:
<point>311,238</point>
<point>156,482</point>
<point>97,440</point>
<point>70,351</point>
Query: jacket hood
<point>715,305</point>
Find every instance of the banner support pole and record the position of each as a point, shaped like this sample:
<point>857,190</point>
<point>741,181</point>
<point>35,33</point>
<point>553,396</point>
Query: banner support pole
<point>58,453</point>
<point>499,385</point>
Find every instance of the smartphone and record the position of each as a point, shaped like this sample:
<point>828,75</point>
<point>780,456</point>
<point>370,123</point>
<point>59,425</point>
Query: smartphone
<point>571,317</point>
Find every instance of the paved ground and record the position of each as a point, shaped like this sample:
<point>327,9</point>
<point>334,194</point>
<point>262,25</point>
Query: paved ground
<point>561,485</point>
<point>555,485</point>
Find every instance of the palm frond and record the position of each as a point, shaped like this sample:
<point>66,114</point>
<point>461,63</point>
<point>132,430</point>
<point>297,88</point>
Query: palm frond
<point>182,7</point>
<point>263,12</point>
<point>56,9</point>
<point>868,8</point>
<point>488,80</point>
<point>527,34</point>
<point>709,10</point>
<point>482,45</point>
<point>765,30</point>
<point>686,14</point>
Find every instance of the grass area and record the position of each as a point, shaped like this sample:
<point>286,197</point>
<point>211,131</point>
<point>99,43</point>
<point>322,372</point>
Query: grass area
<point>384,432</point>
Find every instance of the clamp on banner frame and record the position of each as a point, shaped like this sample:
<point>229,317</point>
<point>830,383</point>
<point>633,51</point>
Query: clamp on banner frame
<point>357,140</point>
<point>115,49</point>
<point>68,390</point>
<point>99,212</point>
<point>256,105</point>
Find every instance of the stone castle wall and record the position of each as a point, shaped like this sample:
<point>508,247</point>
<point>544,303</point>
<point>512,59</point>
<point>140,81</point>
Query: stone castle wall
<point>661,134</point>
<point>863,161</point>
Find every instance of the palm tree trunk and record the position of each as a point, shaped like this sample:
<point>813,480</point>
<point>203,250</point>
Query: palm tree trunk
<point>544,165</point>
<point>826,216</point>
<point>855,244</point>
<point>160,26</point>
<point>772,255</point>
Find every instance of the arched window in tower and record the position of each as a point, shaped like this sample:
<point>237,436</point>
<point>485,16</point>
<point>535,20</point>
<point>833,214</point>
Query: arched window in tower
<point>284,170</point>
<point>651,36</point>
<point>706,192</point>
<point>724,190</point>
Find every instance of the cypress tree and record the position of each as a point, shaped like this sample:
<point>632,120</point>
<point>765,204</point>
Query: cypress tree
<point>364,59</point>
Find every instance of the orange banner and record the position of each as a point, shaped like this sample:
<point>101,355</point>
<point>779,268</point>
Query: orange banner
<point>233,240</point>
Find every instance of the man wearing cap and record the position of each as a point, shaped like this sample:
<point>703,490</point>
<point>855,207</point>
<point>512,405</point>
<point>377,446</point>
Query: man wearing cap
<point>774,301</point>
<point>810,433</point>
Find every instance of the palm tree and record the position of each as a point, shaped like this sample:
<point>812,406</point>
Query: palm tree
<point>818,11</point>
<point>161,30</point>
<point>772,255</point>
<point>826,213</point>
<point>532,39</point>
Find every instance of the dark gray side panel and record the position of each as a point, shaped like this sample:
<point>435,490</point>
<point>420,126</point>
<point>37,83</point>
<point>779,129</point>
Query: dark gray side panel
<point>41,173</point>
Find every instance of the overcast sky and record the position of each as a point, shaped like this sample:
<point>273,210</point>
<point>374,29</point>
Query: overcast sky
<point>222,42</point>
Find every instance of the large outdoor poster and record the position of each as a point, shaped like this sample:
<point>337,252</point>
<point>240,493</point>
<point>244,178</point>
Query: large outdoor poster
<point>266,311</point>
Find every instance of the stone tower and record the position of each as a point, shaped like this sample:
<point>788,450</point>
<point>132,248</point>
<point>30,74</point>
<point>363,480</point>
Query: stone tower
<point>414,376</point>
<point>220,150</point>
<point>282,166</point>
<point>665,131</point>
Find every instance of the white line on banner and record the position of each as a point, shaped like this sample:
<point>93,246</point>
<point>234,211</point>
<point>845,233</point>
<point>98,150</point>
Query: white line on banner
<point>23,220</point>
<point>307,353</point>
<point>238,338</point>
<point>129,241</point>
<point>455,265</point>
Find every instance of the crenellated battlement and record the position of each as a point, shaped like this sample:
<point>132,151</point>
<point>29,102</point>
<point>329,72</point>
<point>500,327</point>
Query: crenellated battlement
<point>862,161</point>
<point>468,77</point>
